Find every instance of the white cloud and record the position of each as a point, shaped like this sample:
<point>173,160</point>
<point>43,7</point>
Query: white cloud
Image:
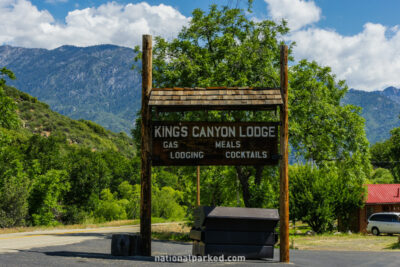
<point>298,13</point>
<point>369,60</point>
<point>24,25</point>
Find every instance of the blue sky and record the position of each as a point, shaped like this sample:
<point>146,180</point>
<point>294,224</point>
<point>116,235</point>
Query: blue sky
<point>345,16</point>
<point>359,39</point>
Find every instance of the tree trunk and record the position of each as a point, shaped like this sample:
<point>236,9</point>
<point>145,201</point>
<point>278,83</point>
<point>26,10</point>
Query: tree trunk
<point>244,176</point>
<point>259,170</point>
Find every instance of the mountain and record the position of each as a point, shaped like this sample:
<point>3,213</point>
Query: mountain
<point>381,110</point>
<point>96,83</point>
<point>393,93</point>
<point>93,83</point>
<point>38,118</point>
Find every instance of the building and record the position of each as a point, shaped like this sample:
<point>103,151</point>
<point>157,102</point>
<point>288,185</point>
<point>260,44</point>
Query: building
<point>380,198</point>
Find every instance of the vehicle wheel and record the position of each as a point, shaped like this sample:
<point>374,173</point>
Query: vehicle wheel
<point>375,231</point>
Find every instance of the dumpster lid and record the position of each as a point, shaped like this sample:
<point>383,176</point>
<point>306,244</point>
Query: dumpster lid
<point>243,213</point>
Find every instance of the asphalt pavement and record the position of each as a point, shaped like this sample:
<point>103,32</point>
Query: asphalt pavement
<point>92,248</point>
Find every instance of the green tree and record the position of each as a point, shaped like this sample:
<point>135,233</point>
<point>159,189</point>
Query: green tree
<point>382,176</point>
<point>14,183</point>
<point>14,192</point>
<point>222,48</point>
<point>386,154</point>
<point>48,191</point>
<point>46,150</point>
<point>313,197</point>
<point>8,116</point>
<point>166,203</point>
<point>225,48</point>
<point>121,168</point>
<point>390,153</point>
<point>131,195</point>
<point>88,176</point>
<point>109,207</point>
<point>381,154</point>
<point>321,130</point>
<point>328,135</point>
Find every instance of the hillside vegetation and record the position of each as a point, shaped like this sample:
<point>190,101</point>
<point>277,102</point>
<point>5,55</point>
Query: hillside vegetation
<point>38,118</point>
<point>55,170</point>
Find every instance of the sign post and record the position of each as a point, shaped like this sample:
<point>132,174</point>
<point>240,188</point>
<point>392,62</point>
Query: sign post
<point>284,164</point>
<point>145,175</point>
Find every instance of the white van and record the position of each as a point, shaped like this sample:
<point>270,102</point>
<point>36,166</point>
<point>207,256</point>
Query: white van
<point>384,222</point>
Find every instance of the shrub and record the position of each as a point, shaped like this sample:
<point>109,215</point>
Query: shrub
<point>166,203</point>
<point>46,195</point>
<point>109,208</point>
<point>14,192</point>
<point>312,197</point>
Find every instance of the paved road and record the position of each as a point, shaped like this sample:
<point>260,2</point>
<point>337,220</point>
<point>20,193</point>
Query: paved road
<point>27,240</point>
<point>92,248</point>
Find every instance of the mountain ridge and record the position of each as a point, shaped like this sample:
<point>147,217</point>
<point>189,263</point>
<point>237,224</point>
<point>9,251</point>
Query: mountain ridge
<point>94,83</point>
<point>381,110</point>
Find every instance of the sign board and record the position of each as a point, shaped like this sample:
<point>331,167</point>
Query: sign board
<point>214,143</point>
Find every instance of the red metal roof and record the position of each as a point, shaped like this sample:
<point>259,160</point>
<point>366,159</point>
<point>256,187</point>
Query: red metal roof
<point>383,193</point>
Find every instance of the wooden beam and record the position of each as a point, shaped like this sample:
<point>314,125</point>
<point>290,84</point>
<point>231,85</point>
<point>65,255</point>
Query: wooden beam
<point>145,178</point>
<point>284,165</point>
<point>220,107</point>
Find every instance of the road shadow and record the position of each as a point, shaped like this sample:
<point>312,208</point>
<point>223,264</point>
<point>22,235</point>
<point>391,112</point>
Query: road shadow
<point>104,235</point>
<point>91,255</point>
<point>189,243</point>
<point>171,258</point>
<point>159,256</point>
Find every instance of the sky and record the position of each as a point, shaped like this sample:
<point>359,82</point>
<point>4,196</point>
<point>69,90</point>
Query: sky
<point>358,39</point>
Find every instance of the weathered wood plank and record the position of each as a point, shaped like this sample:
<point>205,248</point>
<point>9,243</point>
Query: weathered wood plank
<point>145,177</point>
<point>239,238</point>
<point>183,108</point>
<point>284,164</point>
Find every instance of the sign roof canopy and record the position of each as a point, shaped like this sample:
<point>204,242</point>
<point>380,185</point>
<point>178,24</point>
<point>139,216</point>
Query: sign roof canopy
<point>215,98</point>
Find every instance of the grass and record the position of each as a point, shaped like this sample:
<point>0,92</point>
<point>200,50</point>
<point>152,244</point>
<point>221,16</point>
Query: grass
<point>174,232</point>
<point>71,226</point>
<point>344,242</point>
<point>172,236</point>
<point>90,224</point>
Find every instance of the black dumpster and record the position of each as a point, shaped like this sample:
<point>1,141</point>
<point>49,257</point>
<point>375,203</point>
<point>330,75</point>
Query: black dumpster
<point>229,231</point>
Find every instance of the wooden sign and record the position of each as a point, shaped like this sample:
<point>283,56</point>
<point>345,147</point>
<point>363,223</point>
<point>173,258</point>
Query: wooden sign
<point>206,143</point>
<point>214,143</point>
